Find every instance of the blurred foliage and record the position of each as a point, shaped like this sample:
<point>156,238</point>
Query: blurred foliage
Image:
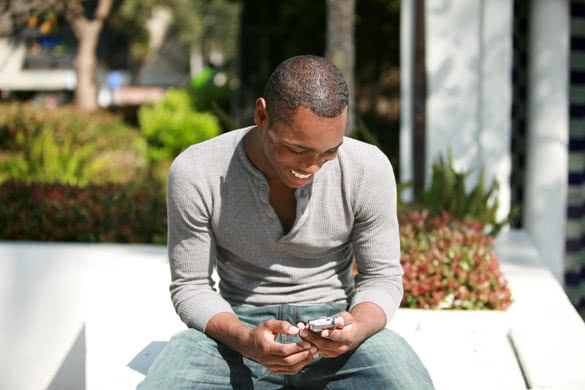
<point>449,263</point>
<point>210,91</point>
<point>207,24</point>
<point>68,146</point>
<point>173,124</point>
<point>202,24</point>
<point>58,212</point>
<point>364,133</point>
<point>447,193</point>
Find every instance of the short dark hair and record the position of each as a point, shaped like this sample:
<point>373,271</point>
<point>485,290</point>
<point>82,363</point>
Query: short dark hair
<point>309,81</point>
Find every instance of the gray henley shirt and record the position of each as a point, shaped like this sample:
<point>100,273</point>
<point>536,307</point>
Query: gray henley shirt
<point>219,217</point>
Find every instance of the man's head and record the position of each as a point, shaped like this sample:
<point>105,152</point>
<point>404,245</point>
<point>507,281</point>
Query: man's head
<point>301,120</point>
<point>308,81</point>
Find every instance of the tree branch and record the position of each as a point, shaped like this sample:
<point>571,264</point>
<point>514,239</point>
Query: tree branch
<point>103,9</point>
<point>75,15</point>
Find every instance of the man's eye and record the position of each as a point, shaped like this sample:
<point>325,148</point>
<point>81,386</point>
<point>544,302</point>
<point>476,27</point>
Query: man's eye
<point>297,151</point>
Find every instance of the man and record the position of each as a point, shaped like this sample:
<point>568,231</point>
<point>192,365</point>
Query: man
<point>280,209</point>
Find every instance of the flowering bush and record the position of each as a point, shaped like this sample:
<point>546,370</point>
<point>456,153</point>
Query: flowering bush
<point>448,192</point>
<point>449,264</point>
<point>57,212</point>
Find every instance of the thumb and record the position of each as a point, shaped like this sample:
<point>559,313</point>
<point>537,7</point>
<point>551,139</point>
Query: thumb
<point>278,326</point>
<point>345,319</point>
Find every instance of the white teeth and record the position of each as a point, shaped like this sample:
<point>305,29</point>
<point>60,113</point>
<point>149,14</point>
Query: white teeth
<point>300,176</point>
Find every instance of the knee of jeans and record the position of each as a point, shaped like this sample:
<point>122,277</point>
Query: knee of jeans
<point>193,340</point>
<point>188,336</point>
<point>389,356</point>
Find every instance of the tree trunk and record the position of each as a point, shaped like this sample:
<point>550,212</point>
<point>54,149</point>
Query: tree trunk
<point>87,33</point>
<point>419,102</point>
<point>85,66</point>
<point>340,48</point>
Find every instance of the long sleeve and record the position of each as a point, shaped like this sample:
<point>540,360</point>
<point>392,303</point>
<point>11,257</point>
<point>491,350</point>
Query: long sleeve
<point>375,237</point>
<point>191,246</point>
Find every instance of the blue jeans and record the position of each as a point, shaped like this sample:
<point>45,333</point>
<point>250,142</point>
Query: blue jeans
<point>191,360</point>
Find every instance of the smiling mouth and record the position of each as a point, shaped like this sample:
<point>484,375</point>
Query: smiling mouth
<point>300,175</point>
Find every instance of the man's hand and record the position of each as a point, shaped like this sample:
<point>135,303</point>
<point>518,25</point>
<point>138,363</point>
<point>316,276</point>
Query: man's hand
<point>348,334</point>
<point>279,358</point>
<point>364,320</point>
<point>260,344</point>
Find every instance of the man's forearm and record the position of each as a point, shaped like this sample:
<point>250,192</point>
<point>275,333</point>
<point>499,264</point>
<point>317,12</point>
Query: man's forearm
<point>371,317</point>
<point>230,331</point>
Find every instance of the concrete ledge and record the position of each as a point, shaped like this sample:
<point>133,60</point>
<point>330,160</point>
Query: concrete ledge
<point>539,343</point>
<point>82,316</point>
<point>94,316</point>
<point>547,331</point>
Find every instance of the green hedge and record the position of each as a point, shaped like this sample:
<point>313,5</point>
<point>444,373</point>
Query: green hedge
<point>173,124</point>
<point>67,146</point>
<point>57,212</point>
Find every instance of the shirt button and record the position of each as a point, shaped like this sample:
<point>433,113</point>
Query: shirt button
<point>263,187</point>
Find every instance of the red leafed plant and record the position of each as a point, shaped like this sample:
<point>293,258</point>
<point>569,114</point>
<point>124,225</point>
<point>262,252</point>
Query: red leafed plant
<point>449,264</point>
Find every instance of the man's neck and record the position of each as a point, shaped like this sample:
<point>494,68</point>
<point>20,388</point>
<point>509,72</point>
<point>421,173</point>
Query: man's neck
<point>254,151</point>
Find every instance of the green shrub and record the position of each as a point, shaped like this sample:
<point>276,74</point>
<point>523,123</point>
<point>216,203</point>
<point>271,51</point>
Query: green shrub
<point>447,193</point>
<point>449,264</point>
<point>207,96</point>
<point>68,146</point>
<point>172,124</point>
<point>205,93</point>
<point>57,212</point>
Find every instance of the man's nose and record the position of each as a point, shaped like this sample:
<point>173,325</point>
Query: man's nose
<point>312,165</point>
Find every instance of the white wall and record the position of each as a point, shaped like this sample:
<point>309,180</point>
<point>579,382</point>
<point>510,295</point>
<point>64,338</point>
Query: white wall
<point>548,131</point>
<point>11,55</point>
<point>407,63</point>
<point>469,65</point>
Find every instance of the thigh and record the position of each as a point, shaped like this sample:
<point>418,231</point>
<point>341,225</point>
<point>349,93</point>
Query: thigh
<point>191,360</point>
<point>384,361</point>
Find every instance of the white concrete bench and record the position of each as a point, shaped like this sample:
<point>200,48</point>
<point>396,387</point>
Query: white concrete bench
<point>539,343</point>
<point>94,317</point>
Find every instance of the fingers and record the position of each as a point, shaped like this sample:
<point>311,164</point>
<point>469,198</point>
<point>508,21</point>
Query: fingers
<point>278,326</point>
<point>335,334</point>
<point>270,347</point>
<point>319,341</point>
<point>347,318</point>
<point>344,319</point>
<point>331,342</point>
<point>289,349</point>
<point>282,358</point>
<point>294,363</point>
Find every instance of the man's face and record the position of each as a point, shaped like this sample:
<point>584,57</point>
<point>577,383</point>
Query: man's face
<point>296,150</point>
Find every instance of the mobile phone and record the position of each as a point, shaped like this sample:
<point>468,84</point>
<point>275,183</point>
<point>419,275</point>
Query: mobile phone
<point>319,324</point>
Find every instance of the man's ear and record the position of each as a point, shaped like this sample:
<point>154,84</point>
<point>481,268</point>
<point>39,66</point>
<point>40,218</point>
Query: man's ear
<point>261,114</point>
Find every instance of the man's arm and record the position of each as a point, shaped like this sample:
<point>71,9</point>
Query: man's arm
<point>364,320</point>
<point>376,238</point>
<point>376,247</point>
<point>191,244</point>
